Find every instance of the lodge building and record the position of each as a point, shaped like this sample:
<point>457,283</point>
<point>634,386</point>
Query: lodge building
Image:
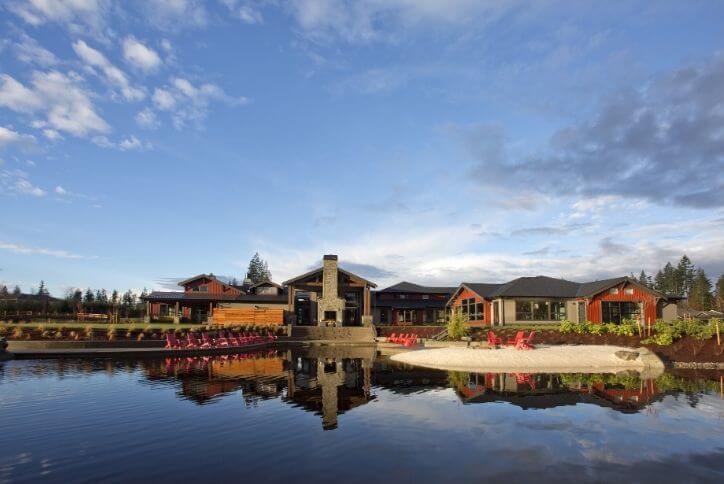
<point>332,296</point>
<point>547,299</point>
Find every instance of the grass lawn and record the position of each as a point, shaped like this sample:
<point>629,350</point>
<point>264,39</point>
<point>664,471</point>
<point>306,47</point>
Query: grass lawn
<point>73,325</point>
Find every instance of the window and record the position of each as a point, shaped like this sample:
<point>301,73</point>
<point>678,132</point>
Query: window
<point>163,309</point>
<point>617,311</point>
<point>628,290</point>
<point>406,316</point>
<point>425,296</point>
<point>403,296</point>
<point>439,315</point>
<point>613,290</point>
<point>383,316</point>
<point>473,310</point>
<point>540,310</point>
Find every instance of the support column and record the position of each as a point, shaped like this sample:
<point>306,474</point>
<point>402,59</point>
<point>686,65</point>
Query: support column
<point>366,307</point>
<point>176,318</point>
<point>147,316</point>
<point>210,317</point>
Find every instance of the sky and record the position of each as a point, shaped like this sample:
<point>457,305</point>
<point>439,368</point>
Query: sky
<point>143,142</point>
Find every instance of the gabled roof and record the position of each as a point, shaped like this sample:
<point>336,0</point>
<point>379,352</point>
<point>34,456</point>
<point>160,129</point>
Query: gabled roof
<point>265,283</point>
<point>482,289</point>
<point>411,287</point>
<point>211,277</point>
<point>538,286</point>
<point>339,269</point>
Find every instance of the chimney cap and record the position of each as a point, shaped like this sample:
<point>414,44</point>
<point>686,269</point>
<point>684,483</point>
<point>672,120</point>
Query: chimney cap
<point>330,257</point>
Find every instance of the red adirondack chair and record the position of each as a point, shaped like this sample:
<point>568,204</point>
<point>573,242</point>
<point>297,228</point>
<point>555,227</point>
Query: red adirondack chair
<point>526,343</point>
<point>233,341</point>
<point>518,337</point>
<point>392,337</point>
<point>493,340</point>
<point>411,340</point>
<point>172,342</point>
<point>192,341</point>
<point>207,341</point>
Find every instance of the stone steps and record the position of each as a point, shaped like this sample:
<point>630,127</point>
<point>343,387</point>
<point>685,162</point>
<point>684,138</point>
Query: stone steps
<point>345,333</point>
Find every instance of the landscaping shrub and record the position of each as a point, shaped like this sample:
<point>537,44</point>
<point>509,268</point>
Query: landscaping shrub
<point>566,326</point>
<point>457,326</point>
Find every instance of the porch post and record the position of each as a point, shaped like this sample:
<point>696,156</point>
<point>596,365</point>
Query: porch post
<point>147,316</point>
<point>366,309</point>
<point>176,318</point>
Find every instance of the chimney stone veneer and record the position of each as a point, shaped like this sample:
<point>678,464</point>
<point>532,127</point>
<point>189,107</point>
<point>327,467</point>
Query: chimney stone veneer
<point>330,302</point>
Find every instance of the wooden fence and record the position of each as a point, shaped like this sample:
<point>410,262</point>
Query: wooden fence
<point>248,316</point>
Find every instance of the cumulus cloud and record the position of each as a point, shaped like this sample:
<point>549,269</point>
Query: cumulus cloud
<point>113,74</point>
<point>140,56</point>
<point>62,98</point>
<point>130,143</point>
<point>663,143</point>
<point>17,182</point>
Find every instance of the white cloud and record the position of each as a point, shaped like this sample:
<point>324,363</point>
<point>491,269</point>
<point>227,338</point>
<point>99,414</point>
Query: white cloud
<point>77,15</point>
<point>24,249</point>
<point>62,98</point>
<point>24,186</point>
<point>9,136</point>
<point>52,134</point>
<point>163,99</point>
<point>29,51</point>
<point>113,74</point>
<point>60,190</point>
<point>140,56</point>
<point>147,119</point>
<point>369,20</point>
<point>189,103</point>
<point>130,143</point>
<point>244,11</point>
<point>176,14</point>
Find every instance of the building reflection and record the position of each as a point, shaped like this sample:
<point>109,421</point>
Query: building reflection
<point>332,380</point>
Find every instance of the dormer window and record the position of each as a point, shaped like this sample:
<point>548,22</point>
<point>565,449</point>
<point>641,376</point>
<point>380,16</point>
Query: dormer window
<point>613,290</point>
<point>629,291</point>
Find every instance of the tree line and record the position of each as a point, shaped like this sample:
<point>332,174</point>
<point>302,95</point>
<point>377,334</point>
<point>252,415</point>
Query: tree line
<point>99,301</point>
<point>686,280</point>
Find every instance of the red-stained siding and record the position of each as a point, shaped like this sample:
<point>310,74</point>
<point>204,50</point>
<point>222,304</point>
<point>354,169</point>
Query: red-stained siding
<point>212,286</point>
<point>594,311</point>
<point>487,306</point>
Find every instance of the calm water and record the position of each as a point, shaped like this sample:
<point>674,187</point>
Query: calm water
<point>349,414</point>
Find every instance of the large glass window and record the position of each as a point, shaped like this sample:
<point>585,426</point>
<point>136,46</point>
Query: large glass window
<point>473,310</point>
<point>540,310</point>
<point>406,316</point>
<point>617,311</point>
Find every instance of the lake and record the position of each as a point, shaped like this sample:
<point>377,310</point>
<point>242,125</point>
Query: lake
<point>347,413</point>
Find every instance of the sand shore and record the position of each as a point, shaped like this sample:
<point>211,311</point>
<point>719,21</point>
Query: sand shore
<point>543,359</point>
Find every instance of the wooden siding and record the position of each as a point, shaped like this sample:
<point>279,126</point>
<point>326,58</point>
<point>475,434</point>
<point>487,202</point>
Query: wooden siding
<point>487,306</point>
<point>594,309</point>
<point>255,316</point>
<point>212,286</point>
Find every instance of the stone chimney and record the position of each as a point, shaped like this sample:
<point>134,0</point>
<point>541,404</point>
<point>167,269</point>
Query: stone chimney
<point>331,307</point>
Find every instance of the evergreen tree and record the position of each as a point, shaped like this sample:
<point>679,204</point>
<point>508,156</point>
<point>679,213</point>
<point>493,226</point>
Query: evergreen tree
<point>720,293</point>
<point>644,279</point>
<point>700,296</point>
<point>4,290</point>
<point>258,270</point>
<point>42,290</point>
<point>88,297</point>
<point>684,276</point>
<point>17,291</point>
<point>115,298</point>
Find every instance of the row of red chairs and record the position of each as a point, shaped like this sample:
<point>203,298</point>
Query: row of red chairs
<point>520,342</point>
<point>223,339</point>
<point>407,339</point>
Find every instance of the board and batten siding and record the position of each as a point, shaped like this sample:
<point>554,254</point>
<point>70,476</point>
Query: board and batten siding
<point>487,306</point>
<point>212,287</point>
<point>594,309</point>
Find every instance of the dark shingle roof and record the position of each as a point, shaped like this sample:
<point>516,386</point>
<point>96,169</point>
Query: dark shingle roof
<point>205,296</point>
<point>411,287</point>
<point>591,288</point>
<point>538,286</point>
<point>481,288</point>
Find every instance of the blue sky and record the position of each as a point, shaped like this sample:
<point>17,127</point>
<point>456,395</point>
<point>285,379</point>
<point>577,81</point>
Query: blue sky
<point>432,141</point>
